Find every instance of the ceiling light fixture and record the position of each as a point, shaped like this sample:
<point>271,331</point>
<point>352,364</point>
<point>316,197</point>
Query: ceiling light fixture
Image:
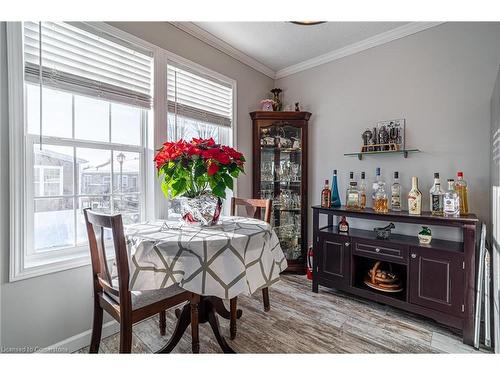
<point>307,23</point>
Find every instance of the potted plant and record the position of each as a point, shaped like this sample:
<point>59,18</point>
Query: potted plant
<point>199,172</point>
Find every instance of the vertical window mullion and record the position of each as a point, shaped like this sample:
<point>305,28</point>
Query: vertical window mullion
<point>111,197</point>
<point>75,173</point>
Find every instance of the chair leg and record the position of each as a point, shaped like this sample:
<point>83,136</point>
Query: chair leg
<point>163,322</point>
<point>96,328</point>
<point>195,340</point>
<point>233,311</point>
<point>125,336</point>
<point>265,297</point>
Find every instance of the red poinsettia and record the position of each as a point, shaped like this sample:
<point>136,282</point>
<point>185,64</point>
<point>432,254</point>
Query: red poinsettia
<point>190,168</point>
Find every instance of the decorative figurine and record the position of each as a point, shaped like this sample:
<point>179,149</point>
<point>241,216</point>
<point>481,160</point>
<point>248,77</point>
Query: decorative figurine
<point>385,232</point>
<point>297,109</point>
<point>425,236</point>
<point>267,105</point>
<point>366,136</point>
<point>277,101</point>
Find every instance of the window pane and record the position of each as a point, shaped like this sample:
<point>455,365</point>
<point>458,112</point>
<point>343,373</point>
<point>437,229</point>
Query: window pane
<point>94,171</point>
<point>125,124</point>
<point>57,108</point>
<point>126,172</point>
<point>129,206</point>
<point>53,170</point>
<point>54,223</point>
<point>100,204</point>
<point>188,128</point>
<point>91,119</point>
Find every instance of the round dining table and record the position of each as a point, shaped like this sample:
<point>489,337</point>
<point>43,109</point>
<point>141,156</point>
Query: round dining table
<point>238,256</point>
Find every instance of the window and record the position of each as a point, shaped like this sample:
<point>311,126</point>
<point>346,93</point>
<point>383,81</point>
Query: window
<point>200,105</point>
<point>87,98</point>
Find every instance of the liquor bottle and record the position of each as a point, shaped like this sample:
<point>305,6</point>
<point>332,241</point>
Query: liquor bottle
<point>414,198</point>
<point>335,191</point>
<point>461,189</point>
<point>396,193</point>
<point>380,200</point>
<point>326,196</point>
<point>362,192</point>
<point>451,201</point>
<point>343,226</point>
<point>436,197</point>
<point>352,201</point>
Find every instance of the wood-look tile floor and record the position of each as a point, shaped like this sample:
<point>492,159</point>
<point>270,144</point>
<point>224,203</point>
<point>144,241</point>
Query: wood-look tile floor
<point>304,322</point>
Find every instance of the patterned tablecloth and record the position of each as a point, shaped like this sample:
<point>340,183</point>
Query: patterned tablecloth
<point>238,256</point>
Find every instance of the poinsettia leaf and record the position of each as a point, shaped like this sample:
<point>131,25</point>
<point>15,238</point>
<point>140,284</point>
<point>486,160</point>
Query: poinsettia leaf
<point>220,190</point>
<point>199,170</point>
<point>228,180</point>
<point>165,188</point>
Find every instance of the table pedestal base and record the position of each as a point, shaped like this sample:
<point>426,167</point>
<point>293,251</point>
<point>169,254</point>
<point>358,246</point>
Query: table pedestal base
<point>208,309</point>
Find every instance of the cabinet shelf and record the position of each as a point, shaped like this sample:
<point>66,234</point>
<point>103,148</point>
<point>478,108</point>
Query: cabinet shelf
<point>397,152</point>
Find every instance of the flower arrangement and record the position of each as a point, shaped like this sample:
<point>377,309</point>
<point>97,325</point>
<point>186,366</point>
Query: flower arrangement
<point>194,168</point>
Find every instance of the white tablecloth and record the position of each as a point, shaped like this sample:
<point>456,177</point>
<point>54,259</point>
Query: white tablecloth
<point>238,256</point>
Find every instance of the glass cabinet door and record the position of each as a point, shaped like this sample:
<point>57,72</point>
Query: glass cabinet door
<point>280,171</point>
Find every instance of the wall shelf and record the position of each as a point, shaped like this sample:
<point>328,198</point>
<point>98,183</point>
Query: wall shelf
<point>398,152</point>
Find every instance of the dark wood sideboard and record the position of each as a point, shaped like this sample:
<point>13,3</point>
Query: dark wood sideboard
<point>438,279</point>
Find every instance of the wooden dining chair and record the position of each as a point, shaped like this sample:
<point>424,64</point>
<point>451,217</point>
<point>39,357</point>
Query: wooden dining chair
<point>253,209</point>
<point>113,293</point>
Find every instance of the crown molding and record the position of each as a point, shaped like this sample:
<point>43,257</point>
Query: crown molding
<point>205,36</point>
<point>376,40</point>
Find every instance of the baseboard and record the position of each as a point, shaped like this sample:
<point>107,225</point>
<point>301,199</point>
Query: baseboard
<point>81,340</point>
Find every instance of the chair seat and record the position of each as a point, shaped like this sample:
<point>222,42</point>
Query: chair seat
<point>142,299</point>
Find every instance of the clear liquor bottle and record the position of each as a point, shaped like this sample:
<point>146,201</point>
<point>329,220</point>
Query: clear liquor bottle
<point>461,189</point>
<point>379,195</point>
<point>396,193</point>
<point>414,198</point>
<point>451,201</point>
<point>335,191</point>
<point>352,201</point>
<point>436,195</point>
<point>362,191</point>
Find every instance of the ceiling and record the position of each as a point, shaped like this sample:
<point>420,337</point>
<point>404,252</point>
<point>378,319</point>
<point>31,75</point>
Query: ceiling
<point>281,48</point>
<point>281,44</point>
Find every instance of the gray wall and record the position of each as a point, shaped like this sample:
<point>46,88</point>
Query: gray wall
<point>45,310</point>
<point>440,80</point>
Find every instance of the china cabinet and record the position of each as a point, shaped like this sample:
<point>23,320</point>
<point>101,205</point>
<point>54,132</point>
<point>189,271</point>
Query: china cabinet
<point>280,174</point>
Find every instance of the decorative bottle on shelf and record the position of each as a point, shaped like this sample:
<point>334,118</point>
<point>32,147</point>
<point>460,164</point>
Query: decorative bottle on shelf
<point>352,201</point>
<point>335,191</point>
<point>380,200</point>
<point>343,226</point>
<point>451,201</point>
<point>362,192</point>
<point>396,193</point>
<point>326,196</point>
<point>414,198</point>
<point>436,197</point>
<point>461,189</point>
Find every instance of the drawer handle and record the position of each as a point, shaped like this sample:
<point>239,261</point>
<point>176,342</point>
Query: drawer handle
<point>413,255</point>
<point>347,244</point>
<point>377,250</point>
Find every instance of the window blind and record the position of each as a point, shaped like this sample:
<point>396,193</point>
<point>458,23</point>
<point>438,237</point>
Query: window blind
<point>89,63</point>
<point>197,96</point>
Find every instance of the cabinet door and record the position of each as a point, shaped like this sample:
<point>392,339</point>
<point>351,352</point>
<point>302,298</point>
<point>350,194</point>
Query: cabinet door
<point>437,280</point>
<point>333,262</point>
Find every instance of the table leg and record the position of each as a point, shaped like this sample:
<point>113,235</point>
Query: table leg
<point>221,308</point>
<point>207,313</point>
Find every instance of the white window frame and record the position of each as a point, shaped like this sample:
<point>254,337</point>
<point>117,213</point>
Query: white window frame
<point>155,206</point>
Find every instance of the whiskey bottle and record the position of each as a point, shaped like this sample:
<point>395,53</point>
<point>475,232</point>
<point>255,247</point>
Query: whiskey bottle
<point>335,191</point>
<point>436,197</point>
<point>343,226</point>
<point>396,193</point>
<point>379,195</point>
<point>352,201</point>
<point>451,201</point>
<point>326,196</point>
<point>414,198</point>
<point>362,192</point>
<point>461,189</point>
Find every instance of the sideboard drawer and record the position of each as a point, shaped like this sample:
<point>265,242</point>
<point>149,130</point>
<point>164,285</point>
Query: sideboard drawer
<point>390,251</point>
